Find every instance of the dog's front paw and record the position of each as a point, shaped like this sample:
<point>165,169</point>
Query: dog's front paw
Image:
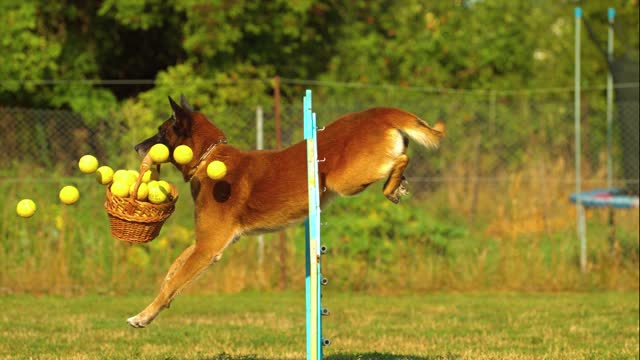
<point>138,322</point>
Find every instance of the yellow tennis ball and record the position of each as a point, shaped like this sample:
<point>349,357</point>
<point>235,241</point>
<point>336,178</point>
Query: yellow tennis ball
<point>151,174</point>
<point>88,164</point>
<point>69,194</point>
<point>26,208</point>
<point>120,188</point>
<point>131,179</point>
<point>152,183</point>
<point>104,174</point>
<point>134,174</point>
<point>182,154</point>
<point>159,153</point>
<point>165,185</point>
<point>126,176</point>
<point>216,170</point>
<point>121,175</point>
<point>157,195</point>
<point>143,191</point>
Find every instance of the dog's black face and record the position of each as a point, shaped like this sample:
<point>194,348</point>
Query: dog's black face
<point>173,131</point>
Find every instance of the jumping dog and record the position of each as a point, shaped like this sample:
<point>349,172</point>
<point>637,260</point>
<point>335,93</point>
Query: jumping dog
<point>266,190</point>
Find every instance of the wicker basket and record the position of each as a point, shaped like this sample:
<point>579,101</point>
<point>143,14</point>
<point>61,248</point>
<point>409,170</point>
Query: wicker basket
<point>137,221</point>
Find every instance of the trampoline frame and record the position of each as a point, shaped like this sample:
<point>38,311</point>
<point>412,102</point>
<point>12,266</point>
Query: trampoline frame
<point>610,198</point>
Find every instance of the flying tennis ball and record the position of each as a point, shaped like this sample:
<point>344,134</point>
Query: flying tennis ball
<point>104,174</point>
<point>157,195</point>
<point>88,164</point>
<point>159,153</point>
<point>143,191</point>
<point>216,170</point>
<point>69,195</point>
<point>151,174</point>
<point>26,208</point>
<point>182,154</point>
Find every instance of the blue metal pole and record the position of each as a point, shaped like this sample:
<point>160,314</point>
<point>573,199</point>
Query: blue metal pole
<point>312,248</point>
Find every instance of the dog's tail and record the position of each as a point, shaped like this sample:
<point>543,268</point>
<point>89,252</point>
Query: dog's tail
<point>418,130</point>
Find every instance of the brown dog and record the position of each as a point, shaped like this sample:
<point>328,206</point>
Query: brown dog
<point>267,190</point>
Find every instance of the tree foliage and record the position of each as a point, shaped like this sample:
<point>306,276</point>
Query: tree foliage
<point>224,52</point>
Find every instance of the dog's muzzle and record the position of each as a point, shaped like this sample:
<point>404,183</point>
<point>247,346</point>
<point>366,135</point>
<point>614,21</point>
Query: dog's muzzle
<point>143,148</point>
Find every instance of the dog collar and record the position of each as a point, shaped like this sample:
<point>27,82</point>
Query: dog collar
<point>203,157</point>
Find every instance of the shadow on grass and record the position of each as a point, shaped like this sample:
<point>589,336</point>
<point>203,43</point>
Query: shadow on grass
<point>384,356</point>
<point>356,356</point>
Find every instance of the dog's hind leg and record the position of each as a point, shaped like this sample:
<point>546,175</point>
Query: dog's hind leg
<point>186,268</point>
<point>396,184</point>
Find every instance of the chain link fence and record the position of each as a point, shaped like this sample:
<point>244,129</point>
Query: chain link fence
<point>490,135</point>
<point>503,174</point>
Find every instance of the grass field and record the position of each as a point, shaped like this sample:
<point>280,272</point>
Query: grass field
<point>271,326</point>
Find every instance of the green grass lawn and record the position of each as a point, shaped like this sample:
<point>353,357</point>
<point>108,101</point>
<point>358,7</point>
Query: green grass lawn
<point>271,326</point>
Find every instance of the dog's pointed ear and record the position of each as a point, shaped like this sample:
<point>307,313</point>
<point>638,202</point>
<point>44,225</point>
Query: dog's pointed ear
<point>182,116</point>
<point>175,107</point>
<point>185,104</point>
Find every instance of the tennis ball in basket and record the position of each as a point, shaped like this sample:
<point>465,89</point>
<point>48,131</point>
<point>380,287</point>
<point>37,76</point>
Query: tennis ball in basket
<point>159,153</point>
<point>157,195</point>
<point>88,164</point>
<point>125,176</point>
<point>120,188</point>
<point>182,154</point>
<point>133,174</point>
<point>104,174</point>
<point>143,191</point>
<point>151,174</point>
<point>69,194</point>
<point>120,175</point>
<point>26,208</point>
<point>165,185</point>
<point>152,183</point>
<point>216,170</point>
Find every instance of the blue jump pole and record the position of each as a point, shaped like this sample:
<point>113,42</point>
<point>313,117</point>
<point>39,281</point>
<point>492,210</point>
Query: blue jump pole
<point>312,237</point>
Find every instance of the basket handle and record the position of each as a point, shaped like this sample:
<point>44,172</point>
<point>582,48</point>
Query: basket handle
<point>144,166</point>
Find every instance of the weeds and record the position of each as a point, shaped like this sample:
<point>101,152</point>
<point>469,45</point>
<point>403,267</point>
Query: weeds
<point>517,234</point>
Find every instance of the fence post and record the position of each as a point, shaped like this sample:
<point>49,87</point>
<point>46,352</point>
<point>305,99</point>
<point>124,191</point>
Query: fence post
<point>260,146</point>
<point>281,235</point>
<point>611,17</point>
<point>580,216</point>
<point>612,230</point>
